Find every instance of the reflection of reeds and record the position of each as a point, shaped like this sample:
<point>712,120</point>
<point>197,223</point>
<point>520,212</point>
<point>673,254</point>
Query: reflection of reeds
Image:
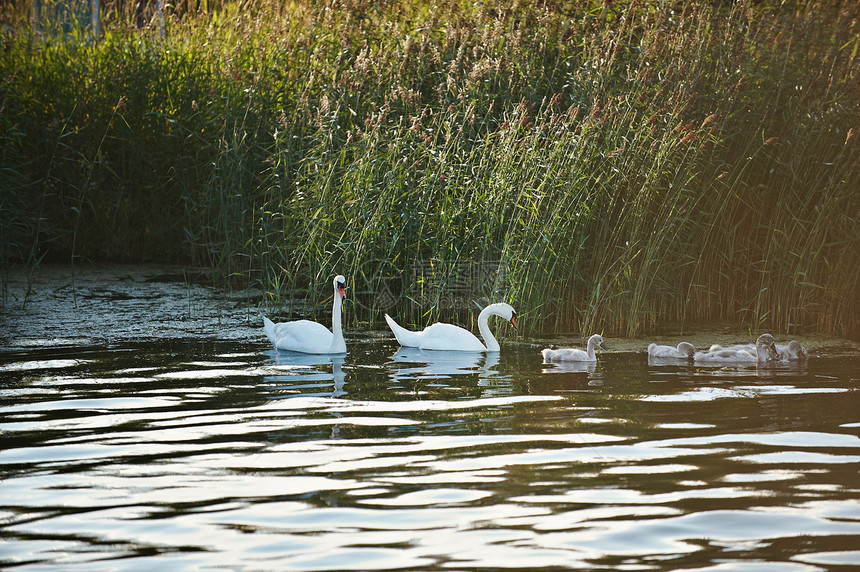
<point>624,165</point>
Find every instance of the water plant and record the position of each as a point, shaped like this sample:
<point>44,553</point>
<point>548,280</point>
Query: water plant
<point>604,166</point>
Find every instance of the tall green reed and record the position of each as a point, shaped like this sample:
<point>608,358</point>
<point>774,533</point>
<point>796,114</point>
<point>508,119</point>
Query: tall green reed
<point>604,166</point>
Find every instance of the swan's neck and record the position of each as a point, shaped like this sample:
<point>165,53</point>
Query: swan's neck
<point>484,328</point>
<point>761,351</point>
<point>337,343</point>
<point>590,348</point>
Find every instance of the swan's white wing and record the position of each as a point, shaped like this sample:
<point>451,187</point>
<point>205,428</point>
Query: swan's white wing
<point>681,351</point>
<point>747,355</point>
<point>566,354</point>
<point>300,336</point>
<point>655,350</point>
<point>725,356</point>
<point>733,348</point>
<point>548,354</point>
<point>450,338</point>
<point>741,347</point>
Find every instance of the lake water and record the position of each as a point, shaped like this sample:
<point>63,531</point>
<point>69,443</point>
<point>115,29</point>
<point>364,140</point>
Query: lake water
<point>146,423</point>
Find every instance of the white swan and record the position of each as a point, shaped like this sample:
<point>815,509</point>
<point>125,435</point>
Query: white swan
<point>793,351</point>
<point>311,337</point>
<point>684,350</point>
<point>575,354</point>
<point>449,337</point>
<point>765,350</point>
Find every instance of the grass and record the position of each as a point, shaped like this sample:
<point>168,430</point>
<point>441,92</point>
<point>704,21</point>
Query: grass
<point>602,166</point>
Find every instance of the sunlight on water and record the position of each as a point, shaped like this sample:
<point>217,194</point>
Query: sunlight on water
<point>39,366</point>
<point>248,459</point>
<point>194,453</point>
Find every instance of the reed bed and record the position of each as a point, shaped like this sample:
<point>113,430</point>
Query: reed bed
<point>603,166</point>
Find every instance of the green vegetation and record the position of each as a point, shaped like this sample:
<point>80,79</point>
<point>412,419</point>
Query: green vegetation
<point>618,165</point>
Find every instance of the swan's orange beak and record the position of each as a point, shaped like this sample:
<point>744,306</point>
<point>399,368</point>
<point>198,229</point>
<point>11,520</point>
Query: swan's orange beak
<point>514,323</point>
<point>341,289</point>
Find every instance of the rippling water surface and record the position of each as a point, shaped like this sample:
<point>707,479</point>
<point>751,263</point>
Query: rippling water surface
<point>192,449</point>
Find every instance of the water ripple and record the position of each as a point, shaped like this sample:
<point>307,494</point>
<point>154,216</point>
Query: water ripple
<point>382,459</point>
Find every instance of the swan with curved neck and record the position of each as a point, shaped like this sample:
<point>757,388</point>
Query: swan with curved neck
<point>685,350</point>
<point>764,351</point>
<point>310,337</point>
<point>575,354</point>
<point>449,337</point>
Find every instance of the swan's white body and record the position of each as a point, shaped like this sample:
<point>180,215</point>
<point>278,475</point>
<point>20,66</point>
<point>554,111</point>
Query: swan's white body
<point>448,337</point>
<point>575,354</point>
<point>310,337</point>
<point>737,347</point>
<point>793,351</point>
<point>685,350</point>
<point>764,350</point>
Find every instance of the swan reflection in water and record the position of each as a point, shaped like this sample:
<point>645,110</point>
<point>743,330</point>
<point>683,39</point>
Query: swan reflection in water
<point>678,362</point>
<point>569,367</point>
<point>782,368</point>
<point>307,372</point>
<point>417,364</point>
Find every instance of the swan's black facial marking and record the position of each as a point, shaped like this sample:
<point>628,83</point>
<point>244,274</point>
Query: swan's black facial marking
<point>514,322</point>
<point>341,289</point>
